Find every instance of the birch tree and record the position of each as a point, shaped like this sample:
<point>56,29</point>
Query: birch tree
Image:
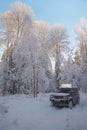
<point>14,21</point>
<point>57,39</point>
<point>81,32</point>
<point>40,30</point>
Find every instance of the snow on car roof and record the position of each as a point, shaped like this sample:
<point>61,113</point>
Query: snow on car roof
<point>66,86</point>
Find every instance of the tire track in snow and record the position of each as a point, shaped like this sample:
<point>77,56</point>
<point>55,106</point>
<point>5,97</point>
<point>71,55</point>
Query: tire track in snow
<point>3,111</point>
<point>69,120</point>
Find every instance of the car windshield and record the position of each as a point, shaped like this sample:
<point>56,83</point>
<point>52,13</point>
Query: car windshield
<point>64,90</point>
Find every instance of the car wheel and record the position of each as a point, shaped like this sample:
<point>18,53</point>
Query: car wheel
<point>54,104</point>
<point>78,100</point>
<point>70,104</point>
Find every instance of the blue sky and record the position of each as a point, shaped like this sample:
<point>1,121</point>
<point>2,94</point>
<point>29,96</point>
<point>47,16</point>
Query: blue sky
<point>66,12</point>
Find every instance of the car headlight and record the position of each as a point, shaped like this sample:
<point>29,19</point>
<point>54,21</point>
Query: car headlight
<point>51,97</point>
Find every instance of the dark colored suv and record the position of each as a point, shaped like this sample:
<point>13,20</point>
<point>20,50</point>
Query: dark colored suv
<point>65,97</point>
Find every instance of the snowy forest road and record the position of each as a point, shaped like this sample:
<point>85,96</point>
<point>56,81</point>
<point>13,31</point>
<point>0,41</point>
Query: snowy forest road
<point>20,112</point>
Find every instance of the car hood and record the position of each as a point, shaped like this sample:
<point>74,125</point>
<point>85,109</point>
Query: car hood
<point>60,94</point>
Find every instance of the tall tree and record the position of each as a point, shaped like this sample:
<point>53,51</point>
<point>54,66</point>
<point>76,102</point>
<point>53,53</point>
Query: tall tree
<point>57,39</point>
<point>81,32</point>
<point>40,31</point>
<point>15,22</point>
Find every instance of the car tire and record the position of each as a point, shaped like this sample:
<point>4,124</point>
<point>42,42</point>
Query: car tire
<point>70,104</point>
<point>78,101</point>
<point>54,104</point>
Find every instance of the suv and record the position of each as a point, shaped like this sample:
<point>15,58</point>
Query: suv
<point>65,97</point>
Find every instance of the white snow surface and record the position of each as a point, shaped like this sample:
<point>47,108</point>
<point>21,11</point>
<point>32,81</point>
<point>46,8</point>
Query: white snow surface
<point>21,112</point>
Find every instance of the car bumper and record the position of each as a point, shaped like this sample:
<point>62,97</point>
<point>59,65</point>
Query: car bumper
<point>59,102</point>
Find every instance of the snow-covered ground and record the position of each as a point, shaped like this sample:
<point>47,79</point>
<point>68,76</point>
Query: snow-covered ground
<point>25,113</point>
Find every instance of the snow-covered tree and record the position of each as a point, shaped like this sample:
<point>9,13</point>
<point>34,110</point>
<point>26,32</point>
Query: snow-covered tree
<point>70,72</point>
<point>40,30</point>
<point>81,32</point>
<point>57,40</point>
<point>14,21</point>
<point>33,72</point>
